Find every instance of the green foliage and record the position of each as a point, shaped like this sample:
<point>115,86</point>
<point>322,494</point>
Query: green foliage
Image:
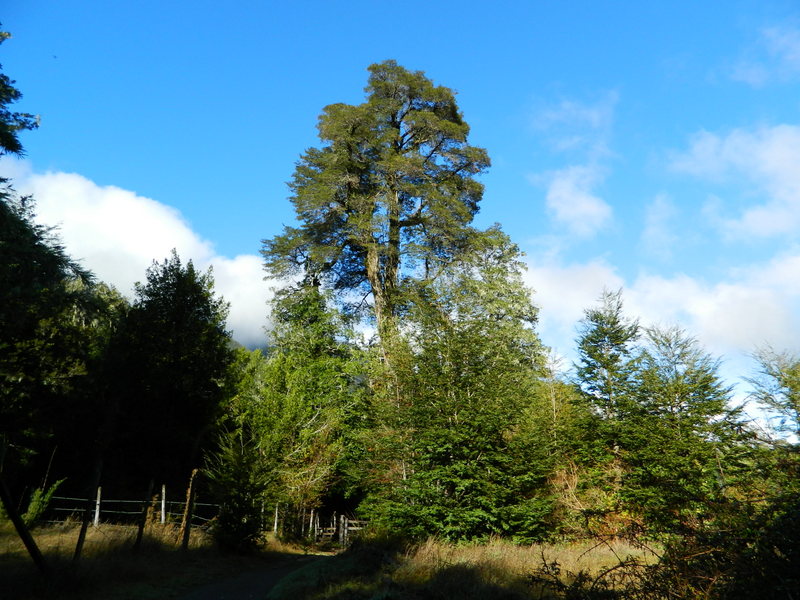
<point>605,375</point>
<point>678,434</point>
<point>312,379</point>
<point>11,123</point>
<point>445,457</point>
<point>752,551</point>
<point>289,409</point>
<point>606,356</point>
<point>662,422</point>
<point>388,196</point>
<point>39,502</point>
<point>238,482</point>
<point>171,364</point>
<point>778,388</point>
<point>49,309</point>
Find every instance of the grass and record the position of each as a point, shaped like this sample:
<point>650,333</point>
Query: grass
<point>109,567</point>
<point>372,569</point>
<point>386,569</point>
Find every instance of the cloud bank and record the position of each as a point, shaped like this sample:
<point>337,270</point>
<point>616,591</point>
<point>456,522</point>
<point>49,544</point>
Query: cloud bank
<point>117,234</point>
<point>755,306</point>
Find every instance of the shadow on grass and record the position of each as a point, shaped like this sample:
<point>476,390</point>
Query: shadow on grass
<point>388,569</point>
<point>112,570</point>
<point>373,569</point>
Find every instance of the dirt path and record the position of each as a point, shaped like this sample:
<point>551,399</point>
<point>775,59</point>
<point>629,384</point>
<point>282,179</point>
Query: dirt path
<point>251,585</point>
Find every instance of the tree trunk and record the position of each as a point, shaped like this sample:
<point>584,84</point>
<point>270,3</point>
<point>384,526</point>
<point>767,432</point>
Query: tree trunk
<point>143,517</point>
<point>22,529</point>
<point>186,524</point>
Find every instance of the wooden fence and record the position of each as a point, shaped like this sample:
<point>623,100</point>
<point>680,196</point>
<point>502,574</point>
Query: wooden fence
<point>109,510</point>
<point>339,528</point>
<point>335,528</point>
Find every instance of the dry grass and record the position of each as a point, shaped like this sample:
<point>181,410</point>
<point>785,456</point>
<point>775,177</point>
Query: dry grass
<point>537,571</point>
<point>109,568</point>
<point>434,569</point>
<point>590,557</point>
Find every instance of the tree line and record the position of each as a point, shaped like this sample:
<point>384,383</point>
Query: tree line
<point>403,378</point>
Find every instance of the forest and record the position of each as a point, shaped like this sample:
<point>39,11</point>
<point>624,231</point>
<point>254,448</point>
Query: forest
<point>402,380</point>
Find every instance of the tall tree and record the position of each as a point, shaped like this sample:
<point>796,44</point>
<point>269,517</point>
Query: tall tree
<point>390,194</point>
<point>288,414</point>
<point>44,295</point>
<point>48,309</point>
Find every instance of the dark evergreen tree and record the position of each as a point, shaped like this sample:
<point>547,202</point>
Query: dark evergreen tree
<point>172,361</point>
<point>605,375</point>
<point>46,299</point>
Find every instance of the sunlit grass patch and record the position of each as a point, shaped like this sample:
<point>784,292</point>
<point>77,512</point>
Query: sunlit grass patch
<point>381,568</point>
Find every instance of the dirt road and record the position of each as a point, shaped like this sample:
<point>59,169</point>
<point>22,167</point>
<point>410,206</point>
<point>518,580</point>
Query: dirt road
<point>251,585</point>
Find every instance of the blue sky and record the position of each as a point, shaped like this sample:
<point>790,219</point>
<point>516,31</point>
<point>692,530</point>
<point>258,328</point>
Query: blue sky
<point>649,146</point>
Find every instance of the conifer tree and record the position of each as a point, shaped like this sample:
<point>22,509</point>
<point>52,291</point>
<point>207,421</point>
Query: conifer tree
<point>679,435</point>
<point>171,365</point>
<point>606,349</point>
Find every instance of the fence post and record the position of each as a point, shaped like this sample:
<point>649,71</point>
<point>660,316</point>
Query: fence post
<point>186,525</point>
<point>143,517</point>
<point>341,529</point>
<point>96,521</point>
<point>275,524</point>
<point>163,503</point>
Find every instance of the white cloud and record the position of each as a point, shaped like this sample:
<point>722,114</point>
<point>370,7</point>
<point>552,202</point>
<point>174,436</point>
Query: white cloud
<point>571,200</point>
<point>241,281</point>
<point>658,237</point>
<point>781,273</point>
<point>581,126</point>
<point>731,317</point>
<point>584,128</point>
<point>117,234</point>
<point>774,58</point>
<point>767,157</point>
<point>754,306</point>
<point>563,292</point>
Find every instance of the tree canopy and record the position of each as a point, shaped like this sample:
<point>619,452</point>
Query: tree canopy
<point>388,197</point>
